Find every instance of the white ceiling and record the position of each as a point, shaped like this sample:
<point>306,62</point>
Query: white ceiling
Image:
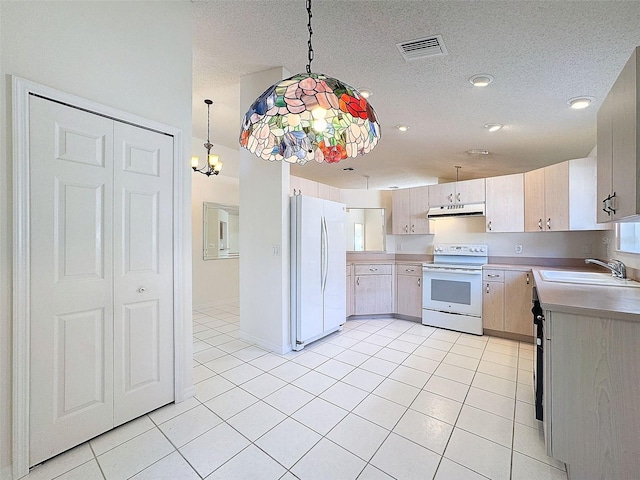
<point>541,53</point>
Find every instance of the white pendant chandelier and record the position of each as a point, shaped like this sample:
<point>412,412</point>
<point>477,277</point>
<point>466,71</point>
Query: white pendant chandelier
<point>310,116</point>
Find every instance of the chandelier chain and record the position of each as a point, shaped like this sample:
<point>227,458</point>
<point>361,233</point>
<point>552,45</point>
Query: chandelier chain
<point>208,110</point>
<point>310,53</point>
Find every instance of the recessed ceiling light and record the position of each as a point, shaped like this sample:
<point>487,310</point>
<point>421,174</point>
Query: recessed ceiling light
<point>493,127</point>
<point>365,92</point>
<point>478,151</point>
<point>348,169</point>
<point>579,103</point>
<point>402,128</point>
<point>481,80</point>
<point>394,187</point>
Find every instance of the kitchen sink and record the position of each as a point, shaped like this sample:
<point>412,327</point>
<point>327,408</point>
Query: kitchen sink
<point>588,278</point>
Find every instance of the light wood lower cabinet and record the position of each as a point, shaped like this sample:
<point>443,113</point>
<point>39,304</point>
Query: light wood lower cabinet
<point>373,289</point>
<point>517,302</point>
<point>409,289</point>
<point>493,299</point>
<point>349,291</point>
<point>592,367</point>
<point>506,301</point>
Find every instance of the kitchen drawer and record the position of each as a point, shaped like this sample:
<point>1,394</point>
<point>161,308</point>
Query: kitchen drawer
<point>492,275</point>
<point>373,269</point>
<point>414,270</point>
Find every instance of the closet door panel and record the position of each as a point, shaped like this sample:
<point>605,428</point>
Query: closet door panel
<point>71,335</point>
<point>143,273</point>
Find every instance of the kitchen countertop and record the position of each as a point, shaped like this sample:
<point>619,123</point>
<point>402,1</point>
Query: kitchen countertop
<point>619,303</point>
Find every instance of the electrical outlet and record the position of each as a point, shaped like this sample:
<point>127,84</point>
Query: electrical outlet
<point>586,248</point>
<point>276,250</point>
<point>518,248</point>
<point>399,247</point>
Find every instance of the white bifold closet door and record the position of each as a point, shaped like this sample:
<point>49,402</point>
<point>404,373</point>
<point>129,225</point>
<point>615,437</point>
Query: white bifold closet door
<point>101,305</point>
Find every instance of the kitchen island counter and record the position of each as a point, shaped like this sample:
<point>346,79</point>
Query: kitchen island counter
<point>614,302</point>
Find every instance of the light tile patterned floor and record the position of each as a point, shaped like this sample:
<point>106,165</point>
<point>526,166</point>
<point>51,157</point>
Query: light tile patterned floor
<point>381,399</point>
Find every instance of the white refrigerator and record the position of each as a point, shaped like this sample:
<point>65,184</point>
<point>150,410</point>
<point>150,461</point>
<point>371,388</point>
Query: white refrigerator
<point>318,269</point>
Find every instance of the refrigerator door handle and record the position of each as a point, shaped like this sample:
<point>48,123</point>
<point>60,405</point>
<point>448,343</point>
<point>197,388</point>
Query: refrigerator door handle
<point>325,253</point>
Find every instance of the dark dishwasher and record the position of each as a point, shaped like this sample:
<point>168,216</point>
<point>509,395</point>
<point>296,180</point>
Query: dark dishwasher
<point>538,321</point>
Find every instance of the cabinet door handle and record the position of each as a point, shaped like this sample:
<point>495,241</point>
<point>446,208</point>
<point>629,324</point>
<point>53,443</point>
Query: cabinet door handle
<point>528,279</point>
<point>540,224</point>
<point>406,229</point>
<point>409,270</point>
<point>549,223</point>
<point>489,225</point>
<point>373,269</point>
<point>358,281</point>
<point>413,229</point>
<point>487,288</point>
<point>493,275</point>
<point>451,197</point>
<point>419,281</point>
<point>458,196</point>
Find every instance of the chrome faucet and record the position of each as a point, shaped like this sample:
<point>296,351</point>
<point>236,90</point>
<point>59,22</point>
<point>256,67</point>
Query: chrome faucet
<point>618,269</point>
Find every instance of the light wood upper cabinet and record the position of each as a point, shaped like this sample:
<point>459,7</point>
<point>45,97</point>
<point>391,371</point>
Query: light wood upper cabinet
<point>556,197</point>
<point>467,191</point>
<point>605,157</point>
<point>505,203</point>
<point>534,200</point>
<point>470,191</point>
<point>400,211</point>
<point>619,146</point>
<point>409,211</point>
<point>546,206</point>
<point>561,197</point>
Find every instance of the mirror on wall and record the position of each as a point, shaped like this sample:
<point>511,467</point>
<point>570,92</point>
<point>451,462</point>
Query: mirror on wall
<point>365,230</point>
<point>220,227</point>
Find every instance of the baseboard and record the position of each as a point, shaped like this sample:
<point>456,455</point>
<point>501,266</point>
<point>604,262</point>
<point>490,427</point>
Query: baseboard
<point>188,392</point>
<point>379,316</point>
<point>6,473</point>
<point>216,303</point>
<point>509,336</point>
<point>272,347</point>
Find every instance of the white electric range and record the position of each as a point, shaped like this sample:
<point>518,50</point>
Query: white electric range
<point>452,287</point>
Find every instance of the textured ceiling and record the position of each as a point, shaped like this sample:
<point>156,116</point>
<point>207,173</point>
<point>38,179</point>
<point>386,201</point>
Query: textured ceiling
<point>541,53</point>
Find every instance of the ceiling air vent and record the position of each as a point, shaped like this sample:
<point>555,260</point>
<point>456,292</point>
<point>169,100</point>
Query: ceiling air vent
<point>432,46</point>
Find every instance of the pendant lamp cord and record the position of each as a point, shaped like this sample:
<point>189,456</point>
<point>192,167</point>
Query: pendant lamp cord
<point>310,33</point>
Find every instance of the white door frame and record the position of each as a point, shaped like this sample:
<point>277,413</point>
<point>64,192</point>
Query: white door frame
<point>22,89</point>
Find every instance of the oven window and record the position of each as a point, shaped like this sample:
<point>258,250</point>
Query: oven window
<point>451,291</point>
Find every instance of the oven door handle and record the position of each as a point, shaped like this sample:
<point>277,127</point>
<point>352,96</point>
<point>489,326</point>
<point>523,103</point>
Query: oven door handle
<point>452,270</point>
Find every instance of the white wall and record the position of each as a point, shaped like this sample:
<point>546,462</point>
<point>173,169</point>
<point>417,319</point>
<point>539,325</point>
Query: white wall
<point>214,281</point>
<point>133,56</point>
<point>264,223</point>
<point>472,230</point>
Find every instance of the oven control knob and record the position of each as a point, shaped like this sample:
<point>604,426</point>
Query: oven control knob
<point>474,249</point>
<point>482,249</point>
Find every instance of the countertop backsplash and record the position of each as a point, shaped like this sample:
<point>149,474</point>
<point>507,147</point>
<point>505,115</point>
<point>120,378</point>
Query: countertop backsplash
<point>571,245</point>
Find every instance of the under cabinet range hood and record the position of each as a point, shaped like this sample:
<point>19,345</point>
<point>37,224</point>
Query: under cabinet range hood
<point>457,210</point>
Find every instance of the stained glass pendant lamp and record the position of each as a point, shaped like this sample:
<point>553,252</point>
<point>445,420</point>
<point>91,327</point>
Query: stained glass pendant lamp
<point>213,165</point>
<point>310,116</point>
